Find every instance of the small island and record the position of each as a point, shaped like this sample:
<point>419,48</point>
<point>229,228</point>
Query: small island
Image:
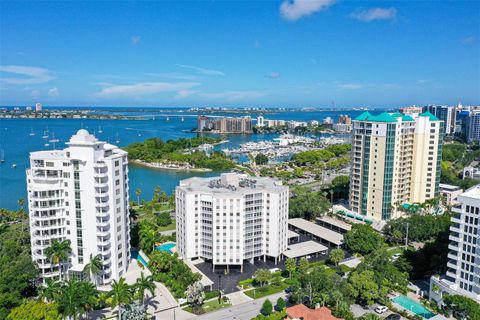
<point>192,154</point>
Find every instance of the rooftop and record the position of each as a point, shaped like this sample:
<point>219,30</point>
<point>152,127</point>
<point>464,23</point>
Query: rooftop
<point>335,222</point>
<point>300,311</point>
<point>304,249</point>
<point>231,182</point>
<point>473,192</point>
<point>391,117</point>
<point>428,114</point>
<point>318,231</point>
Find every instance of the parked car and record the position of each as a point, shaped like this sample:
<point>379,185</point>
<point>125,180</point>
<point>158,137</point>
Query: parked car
<point>396,256</point>
<point>381,309</point>
<point>393,316</point>
<point>289,290</point>
<point>273,270</point>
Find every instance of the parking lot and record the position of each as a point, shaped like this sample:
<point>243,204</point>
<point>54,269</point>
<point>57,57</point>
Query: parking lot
<point>229,281</point>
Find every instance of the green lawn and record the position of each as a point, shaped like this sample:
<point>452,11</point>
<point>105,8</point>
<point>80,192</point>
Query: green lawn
<point>259,293</point>
<point>396,250</point>
<point>171,226</point>
<point>211,305</point>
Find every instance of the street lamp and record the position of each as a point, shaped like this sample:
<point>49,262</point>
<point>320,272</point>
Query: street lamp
<point>219,288</point>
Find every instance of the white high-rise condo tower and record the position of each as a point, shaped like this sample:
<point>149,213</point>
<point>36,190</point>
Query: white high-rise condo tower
<point>231,218</point>
<point>463,266</point>
<point>80,194</point>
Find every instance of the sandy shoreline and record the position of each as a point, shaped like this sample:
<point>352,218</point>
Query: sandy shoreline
<point>163,166</point>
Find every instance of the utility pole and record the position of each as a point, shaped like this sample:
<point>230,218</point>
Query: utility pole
<point>406,237</point>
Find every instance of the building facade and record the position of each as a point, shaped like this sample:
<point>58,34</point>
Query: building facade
<point>473,127</point>
<point>445,113</point>
<point>225,125</point>
<point>231,218</point>
<point>395,160</point>
<point>80,194</point>
<point>463,266</point>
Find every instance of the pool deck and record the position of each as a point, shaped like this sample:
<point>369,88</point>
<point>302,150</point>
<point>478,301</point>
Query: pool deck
<point>415,298</point>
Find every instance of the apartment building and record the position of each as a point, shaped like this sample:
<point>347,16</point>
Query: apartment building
<point>231,218</point>
<point>463,266</point>
<point>225,125</point>
<point>395,160</point>
<point>80,194</point>
<point>445,113</point>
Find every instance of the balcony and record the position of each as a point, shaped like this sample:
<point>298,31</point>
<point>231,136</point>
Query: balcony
<point>451,246</point>
<point>103,232</point>
<point>456,219</point>
<point>452,264</point>
<point>100,165</point>
<point>452,255</point>
<point>103,223</point>
<point>101,204</point>
<point>100,174</point>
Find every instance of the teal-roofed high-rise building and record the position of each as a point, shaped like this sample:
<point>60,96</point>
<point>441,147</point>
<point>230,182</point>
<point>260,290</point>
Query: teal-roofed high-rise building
<point>395,161</point>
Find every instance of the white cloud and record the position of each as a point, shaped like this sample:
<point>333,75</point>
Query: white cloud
<point>185,93</point>
<point>208,72</point>
<point>295,9</point>
<point>35,93</point>
<point>468,40</point>
<point>373,14</point>
<point>144,88</point>
<point>136,40</point>
<point>274,75</point>
<point>25,75</point>
<point>53,92</point>
<point>350,86</point>
<point>231,96</point>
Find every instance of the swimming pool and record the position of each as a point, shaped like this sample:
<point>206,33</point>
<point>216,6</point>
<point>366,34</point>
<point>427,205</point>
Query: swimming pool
<point>166,247</point>
<point>413,306</point>
<point>138,257</point>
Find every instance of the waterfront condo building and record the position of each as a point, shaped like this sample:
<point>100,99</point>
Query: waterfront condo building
<point>231,218</point>
<point>445,113</point>
<point>80,194</point>
<point>395,160</point>
<point>463,266</point>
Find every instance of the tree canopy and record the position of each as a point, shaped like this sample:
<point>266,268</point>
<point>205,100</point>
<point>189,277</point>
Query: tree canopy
<point>363,239</point>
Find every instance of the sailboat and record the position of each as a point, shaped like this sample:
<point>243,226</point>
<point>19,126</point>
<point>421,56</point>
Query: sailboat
<point>45,134</point>
<point>31,132</point>
<point>53,138</point>
<point>182,119</point>
<point>168,119</point>
<point>2,156</point>
<point>100,129</point>
<point>117,141</point>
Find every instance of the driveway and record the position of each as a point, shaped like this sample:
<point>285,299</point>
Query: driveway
<point>243,311</point>
<point>230,281</point>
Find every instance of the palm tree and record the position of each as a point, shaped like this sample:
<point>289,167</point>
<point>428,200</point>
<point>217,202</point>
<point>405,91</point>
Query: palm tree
<point>94,267</point>
<point>51,290</point>
<point>87,294</point>
<point>148,238</point>
<point>58,253</point>
<point>138,192</point>
<point>145,284</point>
<point>69,302</point>
<point>21,203</point>
<point>121,294</point>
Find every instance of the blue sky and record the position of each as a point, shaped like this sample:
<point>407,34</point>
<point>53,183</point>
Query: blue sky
<point>246,53</point>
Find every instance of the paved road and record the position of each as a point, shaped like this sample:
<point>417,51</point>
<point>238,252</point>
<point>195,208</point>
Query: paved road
<point>244,311</point>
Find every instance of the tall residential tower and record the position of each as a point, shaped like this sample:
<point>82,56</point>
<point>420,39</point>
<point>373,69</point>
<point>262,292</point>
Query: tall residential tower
<point>80,194</point>
<point>463,266</point>
<point>231,218</point>
<point>395,160</point>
